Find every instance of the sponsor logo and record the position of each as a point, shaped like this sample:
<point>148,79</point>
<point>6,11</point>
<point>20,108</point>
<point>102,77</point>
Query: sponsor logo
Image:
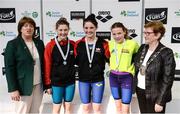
<point>156,14</point>
<point>51,34</point>
<point>33,14</point>
<point>177,13</point>
<point>132,33</point>
<point>26,13</point>
<point>177,55</point>
<point>7,34</point>
<point>103,35</point>
<point>77,15</point>
<point>2,33</point>
<point>99,84</point>
<point>129,13</point>
<point>104,16</point>
<point>54,14</point>
<point>7,15</point>
<point>77,34</point>
<point>175,36</point>
<point>98,50</point>
<point>125,51</point>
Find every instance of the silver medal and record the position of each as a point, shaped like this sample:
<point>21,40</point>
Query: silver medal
<point>64,62</point>
<point>64,56</point>
<point>118,54</point>
<point>90,65</point>
<point>90,56</point>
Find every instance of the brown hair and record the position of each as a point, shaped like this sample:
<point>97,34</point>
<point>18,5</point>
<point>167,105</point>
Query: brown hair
<point>62,21</point>
<point>91,18</point>
<point>24,20</point>
<point>120,25</point>
<point>157,27</point>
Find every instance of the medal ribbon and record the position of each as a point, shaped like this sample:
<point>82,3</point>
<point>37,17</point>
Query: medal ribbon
<point>116,52</point>
<point>90,58</point>
<point>60,49</point>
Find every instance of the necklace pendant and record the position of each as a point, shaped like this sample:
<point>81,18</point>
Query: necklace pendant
<point>90,65</point>
<point>142,70</point>
<point>64,62</point>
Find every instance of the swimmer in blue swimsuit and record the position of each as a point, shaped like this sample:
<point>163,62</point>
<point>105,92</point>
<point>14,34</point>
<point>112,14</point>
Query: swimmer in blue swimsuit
<point>91,55</point>
<point>59,68</point>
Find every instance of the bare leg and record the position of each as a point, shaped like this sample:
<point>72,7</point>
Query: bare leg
<point>97,108</point>
<point>118,106</point>
<point>67,108</point>
<point>56,108</point>
<point>125,108</point>
<point>86,108</point>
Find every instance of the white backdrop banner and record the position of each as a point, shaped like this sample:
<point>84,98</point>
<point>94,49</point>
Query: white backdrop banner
<point>128,13</point>
<point>75,11</point>
<point>11,11</point>
<point>169,13</point>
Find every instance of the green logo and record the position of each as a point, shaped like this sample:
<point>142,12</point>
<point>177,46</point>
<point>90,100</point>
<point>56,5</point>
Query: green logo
<point>176,55</point>
<point>123,13</point>
<point>72,34</point>
<point>177,13</point>
<point>2,33</point>
<point>49,14</point>
<point>34,14</point>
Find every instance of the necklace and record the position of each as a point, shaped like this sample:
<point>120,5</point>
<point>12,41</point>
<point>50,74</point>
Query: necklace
<point>64,56</point>
<point>90,57</point>
<point>120,53</point>
<point>143,68</point>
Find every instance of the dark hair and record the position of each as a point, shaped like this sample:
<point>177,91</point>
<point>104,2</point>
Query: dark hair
<point>157,27</point>
<point>120,25</point>
<point>91,18</point>
<point>24,20</point>
<point>62,21</point>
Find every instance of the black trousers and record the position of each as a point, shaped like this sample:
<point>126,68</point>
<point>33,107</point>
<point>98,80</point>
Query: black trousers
<point>146,105</point>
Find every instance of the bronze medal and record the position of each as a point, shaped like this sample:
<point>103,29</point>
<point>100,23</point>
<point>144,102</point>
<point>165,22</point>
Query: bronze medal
<point>142,70</point>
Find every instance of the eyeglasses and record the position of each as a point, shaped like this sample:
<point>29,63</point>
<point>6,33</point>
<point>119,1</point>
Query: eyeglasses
<point>148,33</point>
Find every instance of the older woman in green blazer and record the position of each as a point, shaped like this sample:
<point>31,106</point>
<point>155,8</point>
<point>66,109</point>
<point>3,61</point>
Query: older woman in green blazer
<point>24,68</point>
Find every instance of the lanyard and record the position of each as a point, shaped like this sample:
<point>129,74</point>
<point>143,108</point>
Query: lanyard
<point>118,59</point>
<point>152,57</point>
<point>60,50</point>
<point>90,57</point>
<point>143,68</point>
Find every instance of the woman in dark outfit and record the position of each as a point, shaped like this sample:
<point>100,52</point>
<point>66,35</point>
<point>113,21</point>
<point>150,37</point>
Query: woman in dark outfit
<point>24,68</point>
<point>155,70</point>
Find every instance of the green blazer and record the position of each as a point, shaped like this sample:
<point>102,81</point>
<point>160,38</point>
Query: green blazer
<point>19,65</point>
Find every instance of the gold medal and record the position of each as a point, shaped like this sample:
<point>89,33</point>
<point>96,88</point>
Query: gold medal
<point>142,70</point>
